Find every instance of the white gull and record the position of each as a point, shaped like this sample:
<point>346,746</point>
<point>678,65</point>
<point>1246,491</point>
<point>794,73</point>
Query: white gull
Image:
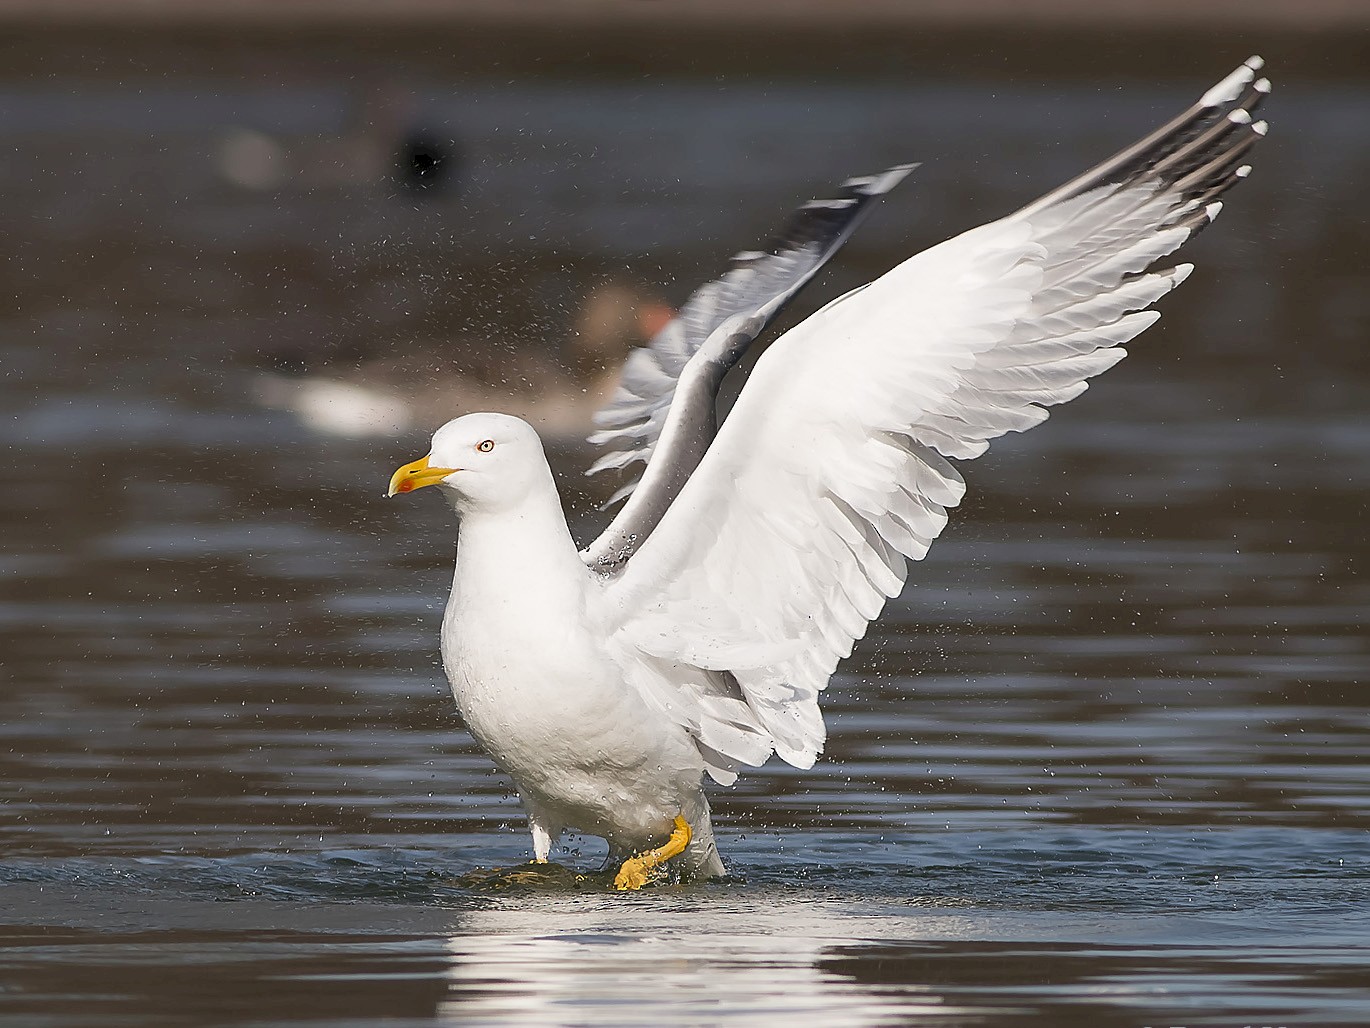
<point>693,637</point>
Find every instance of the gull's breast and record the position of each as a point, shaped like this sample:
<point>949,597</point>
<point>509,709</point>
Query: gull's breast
<point>554,712</point>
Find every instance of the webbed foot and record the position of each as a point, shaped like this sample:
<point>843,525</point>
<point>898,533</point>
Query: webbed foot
<point>646,867</point>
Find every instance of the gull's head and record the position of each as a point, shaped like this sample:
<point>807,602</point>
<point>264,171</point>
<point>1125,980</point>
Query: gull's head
<point>485,461</point>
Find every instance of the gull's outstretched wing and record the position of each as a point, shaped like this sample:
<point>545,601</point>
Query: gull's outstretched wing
<point>662,412</point>
<point>831,471</point>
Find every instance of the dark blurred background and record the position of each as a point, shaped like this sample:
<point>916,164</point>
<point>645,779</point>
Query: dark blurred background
<point>228,229</point>
<point>253,252</point>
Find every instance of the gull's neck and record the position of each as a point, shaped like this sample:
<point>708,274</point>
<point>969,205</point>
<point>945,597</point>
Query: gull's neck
<point>524,556</point>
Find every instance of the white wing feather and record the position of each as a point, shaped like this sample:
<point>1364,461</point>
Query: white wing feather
<point>830,472</point>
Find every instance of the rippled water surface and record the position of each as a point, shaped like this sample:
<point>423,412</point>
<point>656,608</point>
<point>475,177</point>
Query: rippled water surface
<point>1105,761</point>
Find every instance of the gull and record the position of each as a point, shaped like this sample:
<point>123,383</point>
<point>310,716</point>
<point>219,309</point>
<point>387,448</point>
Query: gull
<point>694,635</point>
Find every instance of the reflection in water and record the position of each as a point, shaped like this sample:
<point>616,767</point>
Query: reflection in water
<point>636,978</point>
<point>633,976</point>
<point>672,958</point>
<point>1104,758</point>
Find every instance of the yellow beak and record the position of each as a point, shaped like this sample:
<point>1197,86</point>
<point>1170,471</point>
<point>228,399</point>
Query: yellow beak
<point>416,476</point>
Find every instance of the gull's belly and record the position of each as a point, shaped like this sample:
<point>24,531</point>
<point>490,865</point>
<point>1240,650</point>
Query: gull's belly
<point>581,745</point>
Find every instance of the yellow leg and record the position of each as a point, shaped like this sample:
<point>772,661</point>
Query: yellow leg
<point>639,870</point>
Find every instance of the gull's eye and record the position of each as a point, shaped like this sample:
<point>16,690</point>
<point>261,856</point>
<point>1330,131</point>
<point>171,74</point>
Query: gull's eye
<point>486,445</point>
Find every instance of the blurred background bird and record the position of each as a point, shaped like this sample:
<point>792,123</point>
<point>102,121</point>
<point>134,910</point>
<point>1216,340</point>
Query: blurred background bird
<point>399,388</point>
